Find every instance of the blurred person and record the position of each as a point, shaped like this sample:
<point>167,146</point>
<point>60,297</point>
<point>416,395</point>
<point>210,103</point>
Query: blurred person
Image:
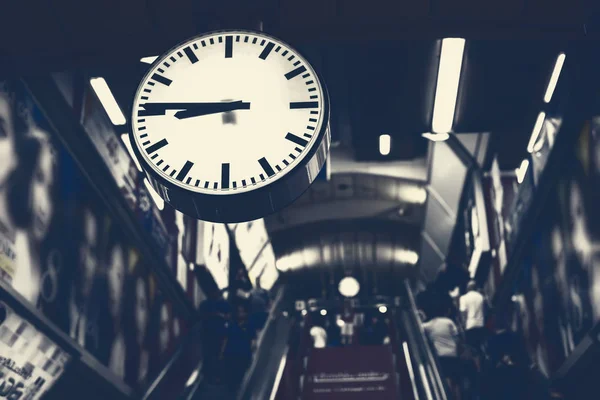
<point>318,333</point>
<point>334,333</point>
<point>375,331</point>
<point>512,374</point>
<point>443,334</point>
<point>215,314</point>
<point>259,304</point>
<point>237,351</point>
<point>347,323</point>
<point>242,285</point>
<point>472,306</point>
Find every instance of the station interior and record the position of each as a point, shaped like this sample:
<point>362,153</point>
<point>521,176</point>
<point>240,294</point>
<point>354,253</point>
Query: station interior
<point>448,249</point>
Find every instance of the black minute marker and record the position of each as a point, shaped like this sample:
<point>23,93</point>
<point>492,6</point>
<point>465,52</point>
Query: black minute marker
<point>228,46</point>
<point>190,54</point>
<point>295,72</point>
<point>266,166</point>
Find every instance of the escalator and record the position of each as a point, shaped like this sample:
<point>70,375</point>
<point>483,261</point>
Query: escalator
<point>405,368</point>
<point>286,366</point>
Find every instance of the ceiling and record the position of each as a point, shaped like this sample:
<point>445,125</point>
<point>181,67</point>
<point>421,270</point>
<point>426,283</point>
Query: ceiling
<point>351,197</point>
<point>315,257</point>
<point>379,61</point>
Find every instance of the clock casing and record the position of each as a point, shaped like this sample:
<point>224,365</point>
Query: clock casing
<point>248,161</point>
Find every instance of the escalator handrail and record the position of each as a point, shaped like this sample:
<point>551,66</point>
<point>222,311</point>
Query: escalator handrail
<point>273,315</point>
<point>411,372</point>
<point>432,359</point>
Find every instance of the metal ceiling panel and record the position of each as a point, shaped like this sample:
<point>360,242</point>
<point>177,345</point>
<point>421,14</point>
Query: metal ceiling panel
<point>357,12</point>
<point>561,11</point>
<point>501,81</point>
<point>29,28</point>
<point>308,12</point>
<point>496,10</point>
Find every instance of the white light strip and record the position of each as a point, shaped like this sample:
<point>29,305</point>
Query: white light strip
<point>522,170</point>
<point>278,376</point>
<point>385,144</point>
<point>125,138</point>
<point>108,101</point>
<point>560,60</point>
<point>436,137</point>
<point>411,373</point>
<point>537,128</point>
<point>160,203</point>
<point>447,84</point>
<point>148,60</point>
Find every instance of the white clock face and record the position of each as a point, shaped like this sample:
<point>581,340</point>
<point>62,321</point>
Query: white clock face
<point>228,113</point>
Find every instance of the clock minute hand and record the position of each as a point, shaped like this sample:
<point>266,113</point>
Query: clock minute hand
<point>198,109</point>
<point>191,109</point>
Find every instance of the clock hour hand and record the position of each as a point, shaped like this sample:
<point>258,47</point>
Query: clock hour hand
<point>187,110</point>
<point>199,109</point>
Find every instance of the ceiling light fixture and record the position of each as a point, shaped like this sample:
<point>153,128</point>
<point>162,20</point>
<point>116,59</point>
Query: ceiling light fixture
<point>126,140</point>
<point>108,101</point>
<point>412,194</point>
<point>148,60</point>
<point>385,144</point>
<point>405,256</point>
<point>436,137</point>
<point>560,60</point>
<point>537,128</point>
<point>382,309</point>
<point>349,287</point>
<point>323,312</point>
<point>522,170</point>
<point>448,79</point>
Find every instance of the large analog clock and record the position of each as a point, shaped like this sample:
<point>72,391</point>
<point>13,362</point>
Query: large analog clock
<point>231,126</point>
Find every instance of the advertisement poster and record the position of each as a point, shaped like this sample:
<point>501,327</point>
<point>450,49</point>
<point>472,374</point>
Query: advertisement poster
<point>63,252</point>
<point>557,301</point>
<point>29,362</point>
<point>348,373</point>
<point>256,252</point>
<point>499,194</point>
<point>216,252</point>
<point>122,168</point>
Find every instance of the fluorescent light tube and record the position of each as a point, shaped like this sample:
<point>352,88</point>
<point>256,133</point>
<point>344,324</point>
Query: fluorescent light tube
<point>537,128</point>
<point>148,60</point>
<point>447,84</point>
<point>560,60</point>
<point>385,144</point>
<point>108,101</point>
<point>522,171</point>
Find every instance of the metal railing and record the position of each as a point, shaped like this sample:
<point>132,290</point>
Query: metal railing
<point>424,363</point>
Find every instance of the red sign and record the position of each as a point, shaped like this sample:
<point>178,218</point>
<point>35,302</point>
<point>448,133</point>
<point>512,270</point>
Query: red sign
<point>351,373</point>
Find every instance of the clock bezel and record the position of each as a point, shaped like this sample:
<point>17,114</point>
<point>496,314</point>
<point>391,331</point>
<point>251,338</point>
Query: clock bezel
<point>249,205</point>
